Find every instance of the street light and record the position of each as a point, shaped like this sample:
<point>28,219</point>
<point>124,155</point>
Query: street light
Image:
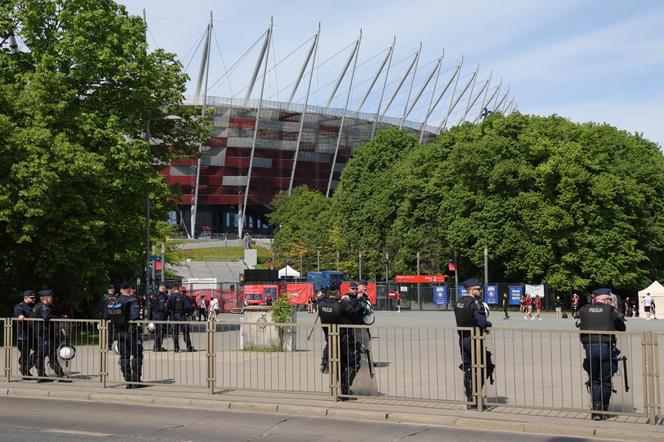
<point>147,203</point>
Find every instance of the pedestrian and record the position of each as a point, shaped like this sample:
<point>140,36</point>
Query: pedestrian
<point>122,310</point>
<point>522,303</point>
<point>49,335</point>
<point>469,311</point>
<point>25,334</point>
<point>537,303</point>
<point>576,303</point>
<point>601,361</point>
<point>647,306</point>
<point>398,299</point>
<point>214,308</point>
<point>505,301</point>
<point>202,308</point>
<point>529,307</point>
<point>159,313</point>
<point>558,303</point>
<point>179,308</point>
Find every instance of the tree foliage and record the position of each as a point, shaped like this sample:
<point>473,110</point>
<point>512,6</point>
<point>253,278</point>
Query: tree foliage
<point>75,169</point>
<point>572,205</point>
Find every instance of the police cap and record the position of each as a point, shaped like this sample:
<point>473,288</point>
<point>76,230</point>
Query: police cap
<point>46,292</point>
<point>362,282</point>
<point>335,286</point>
<point>601,291</point>
<point>472,282</point>
<point>133,287</point>
<point>110,286</point>
<point>353,285</point>
<point>28,293</point>
<point>125,286</point>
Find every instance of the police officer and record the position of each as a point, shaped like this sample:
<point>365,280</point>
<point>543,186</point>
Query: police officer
<point>158,312</point>
<point>342,310</point>
<point>48,335</point>
<point>110,294</point>
<point>601,360</point>
<point>179,308</point>
<point>121,310</point>
<point>469,311</point>
<point>25,340</point>
<point>328,313</point>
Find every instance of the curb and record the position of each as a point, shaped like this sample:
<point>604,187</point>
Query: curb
<point>343,412</point>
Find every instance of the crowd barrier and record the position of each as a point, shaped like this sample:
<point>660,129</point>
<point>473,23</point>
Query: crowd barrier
<point>534,369</point>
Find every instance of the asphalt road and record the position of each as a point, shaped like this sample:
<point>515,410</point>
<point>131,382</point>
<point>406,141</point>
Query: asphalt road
<point>40,420</point>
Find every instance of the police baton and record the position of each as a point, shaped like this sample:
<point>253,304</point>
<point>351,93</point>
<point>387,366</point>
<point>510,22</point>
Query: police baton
<point>313,328</point>
<point>625,377</point>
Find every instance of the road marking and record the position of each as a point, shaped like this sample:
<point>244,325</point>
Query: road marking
<point>76,432</point>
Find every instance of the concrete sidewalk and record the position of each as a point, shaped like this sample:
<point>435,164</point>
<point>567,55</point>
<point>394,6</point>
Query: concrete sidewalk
<point>553,423</point>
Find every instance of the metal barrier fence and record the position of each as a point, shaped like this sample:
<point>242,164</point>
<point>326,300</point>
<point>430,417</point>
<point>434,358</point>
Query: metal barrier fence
<point>535,369</point>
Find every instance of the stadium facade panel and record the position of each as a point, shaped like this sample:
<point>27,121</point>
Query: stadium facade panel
<point>227,153</point>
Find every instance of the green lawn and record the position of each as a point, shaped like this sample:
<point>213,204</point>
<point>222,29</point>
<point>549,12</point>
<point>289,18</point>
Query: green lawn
<point>219,254</point>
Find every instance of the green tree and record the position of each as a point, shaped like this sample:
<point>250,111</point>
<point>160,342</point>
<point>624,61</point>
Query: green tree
<point>364,204</point>
<point>75,169</point>
<point>571,205</point>
<point>303,226</point>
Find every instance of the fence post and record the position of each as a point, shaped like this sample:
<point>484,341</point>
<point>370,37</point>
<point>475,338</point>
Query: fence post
<point>651,375</point>
<point>103,352</point>
<point>211,354</point>
<point>333,359</point>
<point>8,348</point>
<point>478,364</point>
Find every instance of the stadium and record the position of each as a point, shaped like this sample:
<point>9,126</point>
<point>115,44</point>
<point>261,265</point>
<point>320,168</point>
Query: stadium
<point>266,138</point>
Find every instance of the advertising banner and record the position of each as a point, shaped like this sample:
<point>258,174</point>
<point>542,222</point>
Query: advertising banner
<point>419,278</point>
<point>535,289</point>
<point>515,294</point>
<point>440,295</point>
<point>299,292</point>
<point>491,294</point>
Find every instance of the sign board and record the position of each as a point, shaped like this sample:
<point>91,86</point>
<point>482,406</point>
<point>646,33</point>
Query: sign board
<point>419,278</point>
<point>440,295</point>
<point>491,294</point>
<point>403,288</point>
<point>515,294</point>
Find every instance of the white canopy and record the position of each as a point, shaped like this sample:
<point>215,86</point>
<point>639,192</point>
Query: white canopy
<point>288,271</point>
<point>656,290</point>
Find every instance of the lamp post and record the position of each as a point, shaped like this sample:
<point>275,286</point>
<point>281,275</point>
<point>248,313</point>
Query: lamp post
<point>147,202</point>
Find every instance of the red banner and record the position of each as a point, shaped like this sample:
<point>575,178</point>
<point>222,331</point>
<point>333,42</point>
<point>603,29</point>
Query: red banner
<point>300,292</point>
<point>419,278</point>
<point>371,290</point>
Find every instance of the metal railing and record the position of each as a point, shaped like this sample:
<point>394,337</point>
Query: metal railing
<point>534,369</point>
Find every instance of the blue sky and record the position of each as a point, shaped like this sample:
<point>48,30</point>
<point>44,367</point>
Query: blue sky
<point>586,60</point>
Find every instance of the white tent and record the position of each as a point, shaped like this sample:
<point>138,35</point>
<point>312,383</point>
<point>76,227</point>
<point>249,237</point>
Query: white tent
<point>288,271</point>
<point>656,290</point>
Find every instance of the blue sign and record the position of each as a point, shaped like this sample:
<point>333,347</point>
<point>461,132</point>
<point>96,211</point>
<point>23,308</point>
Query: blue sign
<point>491,294</point>
<point>440,295</point>
<point>516,291</point>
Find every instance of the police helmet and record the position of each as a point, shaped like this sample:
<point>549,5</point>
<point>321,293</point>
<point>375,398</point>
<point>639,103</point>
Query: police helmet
<point>116,348</point>
<point>67,352</point>
<point>487,310</point>
<point>151,327</point>
<point>369,319</point>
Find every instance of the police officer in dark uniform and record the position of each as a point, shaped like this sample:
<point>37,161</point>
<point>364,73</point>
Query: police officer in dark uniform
<point>469,311</point>
<point>110,294</point>
<point>48,335</point>
<point>25,340</point>
<point>179,308</point>
<point>601,360</point>
<point>326,307</point>
<point>158,312</point>
<point>121,310</point>
<point>335,310</point>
